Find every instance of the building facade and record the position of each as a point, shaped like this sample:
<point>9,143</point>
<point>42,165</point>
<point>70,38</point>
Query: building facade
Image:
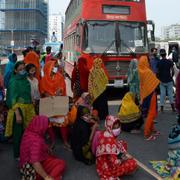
<point>56,25</point>
<point>21,21</point>
<point>170,32</point>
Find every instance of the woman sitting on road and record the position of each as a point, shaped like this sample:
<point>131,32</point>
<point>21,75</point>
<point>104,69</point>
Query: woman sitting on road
<point>130,114</point>
<point>82,134</point>
<point>36,162</point>
<point>174,151</point>
<point>112,160</point>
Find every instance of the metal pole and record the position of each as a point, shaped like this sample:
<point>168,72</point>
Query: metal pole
<point>12,41</point>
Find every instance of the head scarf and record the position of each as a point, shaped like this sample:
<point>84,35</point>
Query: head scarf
<point>133,78</point>
<point>33,58</point>
<point>129,111</point>
<point>33,147</point>
<point>83,73</point>
<point>97,79</point>
<point>148,81</point>
<point>9,69</point>
<point>52,85</point>
<point>107,142</point>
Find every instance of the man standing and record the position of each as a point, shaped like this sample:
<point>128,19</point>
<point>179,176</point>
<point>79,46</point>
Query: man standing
<point>154,60</point>
<point>165,75</point>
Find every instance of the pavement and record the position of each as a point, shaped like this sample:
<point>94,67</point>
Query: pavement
<point>141,149</point>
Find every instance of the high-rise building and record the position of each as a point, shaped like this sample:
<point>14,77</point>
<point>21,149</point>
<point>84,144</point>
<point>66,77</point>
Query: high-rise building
<point>56,22</point>
<point>170,32</point>
<point>23,20</point>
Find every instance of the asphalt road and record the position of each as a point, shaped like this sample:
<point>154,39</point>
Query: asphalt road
<point>141,149</point>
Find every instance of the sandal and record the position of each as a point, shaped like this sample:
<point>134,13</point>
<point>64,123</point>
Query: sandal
<point>156,133</point>
<point>151,138</point>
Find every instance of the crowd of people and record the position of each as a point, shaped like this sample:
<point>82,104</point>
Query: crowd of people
<point>33,134</point>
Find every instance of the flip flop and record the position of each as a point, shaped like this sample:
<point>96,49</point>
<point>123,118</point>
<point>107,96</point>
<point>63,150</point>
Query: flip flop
<point>151,138</point>
<point>156,133</point>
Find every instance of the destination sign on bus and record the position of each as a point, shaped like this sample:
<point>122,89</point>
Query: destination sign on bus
<point>110,9</point>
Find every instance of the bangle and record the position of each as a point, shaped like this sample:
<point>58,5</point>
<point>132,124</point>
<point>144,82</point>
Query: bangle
<point>46,177</point>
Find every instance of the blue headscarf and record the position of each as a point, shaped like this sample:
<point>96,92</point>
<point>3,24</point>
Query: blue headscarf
<point>9,68</point>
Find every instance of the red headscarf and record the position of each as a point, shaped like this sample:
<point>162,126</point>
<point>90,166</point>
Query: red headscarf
<point>107,142</point>
<point>50,84</point>
<point>33,58</point>
<point>84,73</point>
<point>33,147</point>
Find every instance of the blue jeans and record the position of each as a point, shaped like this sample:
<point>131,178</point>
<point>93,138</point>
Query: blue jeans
<point>166,87</point>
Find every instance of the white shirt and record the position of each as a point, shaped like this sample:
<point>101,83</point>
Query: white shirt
<point>34,88</point>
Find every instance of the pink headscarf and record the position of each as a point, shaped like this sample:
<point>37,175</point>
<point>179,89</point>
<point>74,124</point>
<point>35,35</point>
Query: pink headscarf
<point>107,143</point>
<point>33,147</point>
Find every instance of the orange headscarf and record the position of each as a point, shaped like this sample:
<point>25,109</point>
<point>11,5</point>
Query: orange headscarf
<point>50,84</point>
<point>33,58</point>
<point>148,81</point>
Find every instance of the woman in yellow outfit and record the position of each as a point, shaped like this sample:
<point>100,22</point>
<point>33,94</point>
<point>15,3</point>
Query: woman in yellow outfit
<point>130,114</point>
<point>20,105</point>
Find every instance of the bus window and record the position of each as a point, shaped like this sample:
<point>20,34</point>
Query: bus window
<point>102,35</point>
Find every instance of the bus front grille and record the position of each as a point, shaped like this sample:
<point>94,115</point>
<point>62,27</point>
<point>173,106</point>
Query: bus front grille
<point>117,68</point>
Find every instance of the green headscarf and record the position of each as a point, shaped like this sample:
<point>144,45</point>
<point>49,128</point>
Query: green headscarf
<point>133,78</point>
<point>19,90</point>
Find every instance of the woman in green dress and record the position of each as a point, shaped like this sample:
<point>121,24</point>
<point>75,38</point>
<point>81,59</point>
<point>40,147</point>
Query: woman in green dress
<point>20,105</point>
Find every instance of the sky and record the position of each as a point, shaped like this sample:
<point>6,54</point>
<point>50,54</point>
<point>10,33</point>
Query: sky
<point>162,12</point>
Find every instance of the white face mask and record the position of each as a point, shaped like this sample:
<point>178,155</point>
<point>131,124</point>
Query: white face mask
<point>116,132</point>
<point>55,70</point>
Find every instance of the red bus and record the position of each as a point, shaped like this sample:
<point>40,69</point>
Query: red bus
<point>115,30</point>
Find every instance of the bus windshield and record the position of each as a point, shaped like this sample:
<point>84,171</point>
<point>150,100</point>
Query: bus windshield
<point>114,37</point>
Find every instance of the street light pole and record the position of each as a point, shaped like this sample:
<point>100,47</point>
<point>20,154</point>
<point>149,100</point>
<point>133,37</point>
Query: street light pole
<point>12,41</point>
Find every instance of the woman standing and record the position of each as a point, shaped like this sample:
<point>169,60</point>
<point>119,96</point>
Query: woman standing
<point>9,68</point>
<point>80,75</point>
<point>148,85</point>
<point>35,159</point>
<point>33,58</point>
<point>53,84</point>
<point>97,88</point>
<point>19,102</point>
<point>35,94</point>
<point>112,160</point>
<point>133,78</point>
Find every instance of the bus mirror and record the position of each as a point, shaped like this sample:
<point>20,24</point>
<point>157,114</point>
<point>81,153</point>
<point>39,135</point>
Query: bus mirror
<point>151,30</point>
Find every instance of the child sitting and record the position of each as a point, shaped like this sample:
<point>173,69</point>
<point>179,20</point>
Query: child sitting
<point>112,160</point>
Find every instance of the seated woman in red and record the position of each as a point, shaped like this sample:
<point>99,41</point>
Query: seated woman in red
<point>112,160</point>
<point>35,160</point>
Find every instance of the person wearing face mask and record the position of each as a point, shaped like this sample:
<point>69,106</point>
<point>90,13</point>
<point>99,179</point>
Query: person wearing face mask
<point>35,94</point>
<point>33,58</point>
<point>112,159</point>
<point>53,84</point>
<point>19,102</point>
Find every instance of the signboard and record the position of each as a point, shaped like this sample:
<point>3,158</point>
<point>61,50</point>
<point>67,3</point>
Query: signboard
<point>54,106</point>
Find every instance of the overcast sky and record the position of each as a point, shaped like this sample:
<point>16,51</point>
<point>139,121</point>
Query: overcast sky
<point>163,12</point>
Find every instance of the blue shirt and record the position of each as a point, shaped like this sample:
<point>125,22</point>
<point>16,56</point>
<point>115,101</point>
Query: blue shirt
<point>153,63</point>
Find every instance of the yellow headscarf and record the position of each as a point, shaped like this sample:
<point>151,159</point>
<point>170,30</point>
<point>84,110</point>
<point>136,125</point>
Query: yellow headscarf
<point>148,81</point>
<point>129,111</point>
<point>97,79</point>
